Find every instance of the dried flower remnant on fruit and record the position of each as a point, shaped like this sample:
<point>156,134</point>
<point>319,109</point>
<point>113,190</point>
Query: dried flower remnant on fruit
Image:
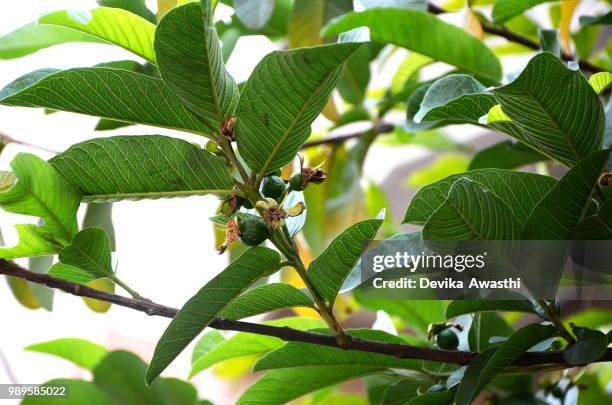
<point>274,215</point>
<point>232,233</point>
<point>299,181</point>
<point>227,127</point>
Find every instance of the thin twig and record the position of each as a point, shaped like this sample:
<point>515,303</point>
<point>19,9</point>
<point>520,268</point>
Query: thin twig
<point>383,128</point>
<point>519,39</point>
<point>6,139</point>
<point>403,351</point>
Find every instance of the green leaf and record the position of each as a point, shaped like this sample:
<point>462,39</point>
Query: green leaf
<point>203,307</point>
<point>137,7</point>
<point>80,392</point>
<point>278,387</point>
<point>504,10</point>
<point>81,352</point>
<point>136,167</point>
<point>100,215</point>
<point>89,251</point>
<point>487,325</point>
<point>455,98</point>
<point>109,93</point>
<point>70,273</point>
<point>502,301</point>
<point>505,155</point>
<point>590,345</point>
<point>353,85</point>
<point>418,314</point>
<point>404,27</point>
<point>114,25</point>
<point>599,81</point>
<point>434,398</point>
<point>550,41</point>
<point>32,37</point>
<point>40,192</point>
<point>308,18</point>
<point>522,192</point>
<point>255,14</point>
<point>121,375</point>
<point>604,19</point>
<point>275,115</point>
<point>298,355</point>
<point>557,215</point>
<point>329,270</point>
<point>481,371</point>
<point>264,299</point>
<point>568,124</point>
<point>212,348</point>
<point>462,216</point>
<point>191,64</point>
<point>403,391</point>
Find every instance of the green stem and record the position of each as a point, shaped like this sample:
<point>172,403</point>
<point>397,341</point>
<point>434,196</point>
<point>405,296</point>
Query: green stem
<point>563,332</point>
<point>121,284</point>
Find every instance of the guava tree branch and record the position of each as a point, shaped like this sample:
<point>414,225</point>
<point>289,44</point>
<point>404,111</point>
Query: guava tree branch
<point>519,39</point>
<point>404,351</point>
<point>382,128</point>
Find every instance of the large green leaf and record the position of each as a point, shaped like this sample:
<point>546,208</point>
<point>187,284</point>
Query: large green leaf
<point>40,192</point>
<point>484,327</point>
<point>590,345</point>
<point>308,18</point>
<point>522,192</point>
<point>329,270</point>
<point>297,354</point>
<point>212,348</point>
<point>115,25</point>
<point>203,307</point>
<point>81,352</point>
<point>73,274</point>
<point>488,364</point>
<point>80,392</point>
<point>255,14</point>
<point>33,37</point>
<point>405,27</point>
<point>266,298</point>
<point>566,124</point>
<point>191,64</point>
<point>89,251</point>
<point>502,301</point>
<point>109,93</point>
<point>455,98</point>
<point>275,115</point>
<point>278,387</point>
<point>134,167</point>
<point>557,215</point>
<point>121,375</point>
<point>503,10</point>
<point>472,212</point>
<point>505,155</point>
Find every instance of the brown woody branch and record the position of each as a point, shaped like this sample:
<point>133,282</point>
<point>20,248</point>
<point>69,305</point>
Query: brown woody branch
<point>287,334</point>
<point>382,128</point>
<point>519,39</point>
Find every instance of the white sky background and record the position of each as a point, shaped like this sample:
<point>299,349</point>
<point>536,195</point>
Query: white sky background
<point>165,247</point>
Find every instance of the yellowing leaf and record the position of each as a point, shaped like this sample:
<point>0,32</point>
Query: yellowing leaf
<point>102,284</point>
<point>472,24</point>
<point>163,6</point>
<point>567,12</point>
